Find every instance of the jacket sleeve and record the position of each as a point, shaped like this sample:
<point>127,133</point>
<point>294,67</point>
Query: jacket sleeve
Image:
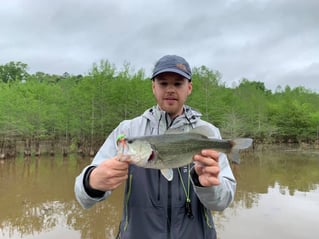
<point>219,197</point>
<point>107,151</point>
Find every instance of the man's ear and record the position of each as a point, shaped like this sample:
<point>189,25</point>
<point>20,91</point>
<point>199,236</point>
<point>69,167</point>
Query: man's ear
<point>190,88</point>
<point>153,86</point>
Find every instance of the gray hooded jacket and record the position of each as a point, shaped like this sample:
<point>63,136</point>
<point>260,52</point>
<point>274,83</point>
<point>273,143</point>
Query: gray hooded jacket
<point>154,207</point>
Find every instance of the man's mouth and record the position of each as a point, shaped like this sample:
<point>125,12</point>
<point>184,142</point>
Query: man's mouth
<point>170,98</point>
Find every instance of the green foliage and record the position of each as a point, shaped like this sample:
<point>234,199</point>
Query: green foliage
<point>13,71</point>
<point>295,112</point>
<point>86,108</point>
<point>208,94</point>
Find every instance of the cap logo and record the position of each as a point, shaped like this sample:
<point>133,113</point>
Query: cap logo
<point>181,66</point>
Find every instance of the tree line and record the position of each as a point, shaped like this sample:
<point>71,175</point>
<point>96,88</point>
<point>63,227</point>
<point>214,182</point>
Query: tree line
<point>77,112</point>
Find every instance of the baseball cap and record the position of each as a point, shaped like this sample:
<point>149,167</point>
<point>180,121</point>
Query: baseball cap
<point>172,63</point>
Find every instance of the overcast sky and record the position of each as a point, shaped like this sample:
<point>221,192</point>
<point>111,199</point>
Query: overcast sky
<point>275,42</point>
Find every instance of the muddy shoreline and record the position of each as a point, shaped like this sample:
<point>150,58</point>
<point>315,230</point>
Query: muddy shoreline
<point>11,149</point>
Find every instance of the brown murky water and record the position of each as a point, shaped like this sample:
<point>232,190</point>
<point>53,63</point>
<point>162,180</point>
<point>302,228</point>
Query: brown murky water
<point>277,197</point>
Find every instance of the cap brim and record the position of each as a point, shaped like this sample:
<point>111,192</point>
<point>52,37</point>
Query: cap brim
<point>182,73</point>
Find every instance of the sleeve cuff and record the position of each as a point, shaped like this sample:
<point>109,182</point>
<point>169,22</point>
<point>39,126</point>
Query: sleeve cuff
<point>88,189</point>
<point>195,178</point>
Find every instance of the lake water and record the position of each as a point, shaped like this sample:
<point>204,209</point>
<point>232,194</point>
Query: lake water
<point>277,197</point>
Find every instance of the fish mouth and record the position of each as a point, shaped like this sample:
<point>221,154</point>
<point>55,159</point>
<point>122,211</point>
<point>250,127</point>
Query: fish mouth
<point>122,145</point>
<point>151,157</point>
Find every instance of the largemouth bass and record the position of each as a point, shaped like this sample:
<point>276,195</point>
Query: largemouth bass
<point>174,149</point>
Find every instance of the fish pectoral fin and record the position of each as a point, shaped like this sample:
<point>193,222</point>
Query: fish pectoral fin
<point>167,173</point>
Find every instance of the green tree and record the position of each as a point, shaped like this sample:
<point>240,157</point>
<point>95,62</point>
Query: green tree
<point>13,71</point>
<point>207,95</point>
<point>251,105</point>
<point>290,111</point>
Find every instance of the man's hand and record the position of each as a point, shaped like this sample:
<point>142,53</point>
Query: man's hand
<point>110,174</point>
<point>207,167</point>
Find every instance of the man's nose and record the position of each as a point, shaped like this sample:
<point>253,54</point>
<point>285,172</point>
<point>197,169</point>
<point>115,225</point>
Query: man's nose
<point>171,88</point>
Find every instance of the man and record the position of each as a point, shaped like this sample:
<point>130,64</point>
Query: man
<point>153,206</point>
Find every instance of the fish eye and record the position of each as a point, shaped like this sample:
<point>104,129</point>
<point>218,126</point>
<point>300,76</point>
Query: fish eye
<point>129,141</point>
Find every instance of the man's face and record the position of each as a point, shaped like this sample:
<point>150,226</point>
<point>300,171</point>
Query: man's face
<point>171,91</point>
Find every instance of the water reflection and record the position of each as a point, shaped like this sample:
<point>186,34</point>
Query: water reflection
<point>295,170</point>
<point>37,199</point>
<point>36,196</point>
<point>277,197</point>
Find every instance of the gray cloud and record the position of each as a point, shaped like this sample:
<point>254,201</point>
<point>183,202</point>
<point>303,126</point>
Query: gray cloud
<point>275,42</point>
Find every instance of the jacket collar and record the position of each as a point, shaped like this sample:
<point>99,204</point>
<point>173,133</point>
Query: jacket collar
<point>160,119</point>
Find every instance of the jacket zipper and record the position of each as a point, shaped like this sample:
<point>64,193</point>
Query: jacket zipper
<point>169,209</point>
<point>169,188</point>
<point>128,194</point>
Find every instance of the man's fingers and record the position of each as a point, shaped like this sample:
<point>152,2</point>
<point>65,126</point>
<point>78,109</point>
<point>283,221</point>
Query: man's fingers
<point>207,167</point>
<point>206,160</point>
<point>206,180</point>
<point>123,157</point>
<point>116,181</point>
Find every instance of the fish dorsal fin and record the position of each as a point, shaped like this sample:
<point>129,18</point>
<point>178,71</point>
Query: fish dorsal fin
<point>201,130</point>
<point>174,131</point>
<point>204,131</point>
<point>167,173</point>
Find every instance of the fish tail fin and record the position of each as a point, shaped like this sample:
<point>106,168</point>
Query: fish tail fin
<point>239,144</point>
<point>167,173</point>
<point>235,157</point>
<point>242,143</point>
